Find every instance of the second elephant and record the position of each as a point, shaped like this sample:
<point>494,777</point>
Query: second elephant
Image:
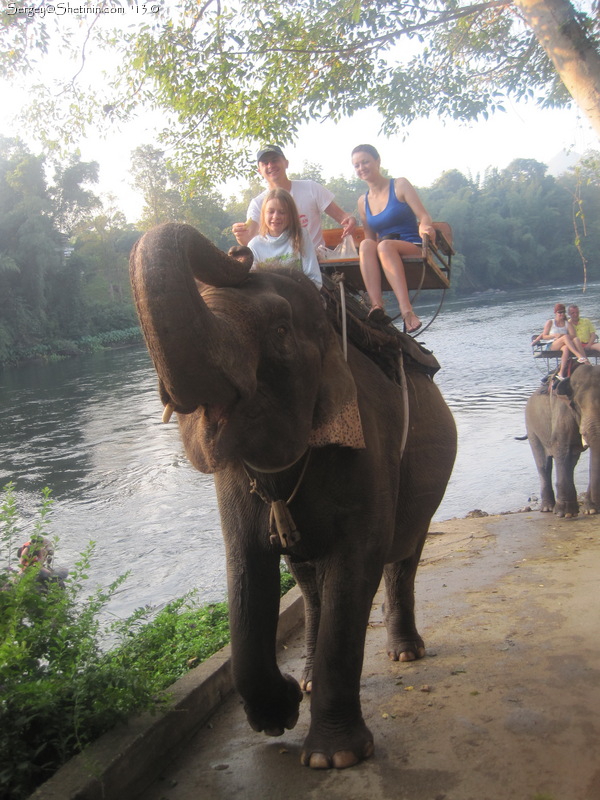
<point>561,424</point>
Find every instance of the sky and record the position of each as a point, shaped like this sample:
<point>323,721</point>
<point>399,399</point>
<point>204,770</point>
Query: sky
<point>426,149</point>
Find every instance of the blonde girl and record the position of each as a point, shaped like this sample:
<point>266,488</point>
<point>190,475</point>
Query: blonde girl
<point>281,237</point>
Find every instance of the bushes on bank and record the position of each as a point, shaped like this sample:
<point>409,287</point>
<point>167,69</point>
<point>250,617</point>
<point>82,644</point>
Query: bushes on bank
<point>56,349</point>
<point>59,688</point>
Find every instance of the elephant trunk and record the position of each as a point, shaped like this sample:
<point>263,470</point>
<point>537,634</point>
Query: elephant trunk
<point>594,485</point>
<point>194,351</point>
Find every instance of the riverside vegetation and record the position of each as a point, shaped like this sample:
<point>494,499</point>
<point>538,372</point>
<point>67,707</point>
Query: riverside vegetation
<point>61,684</point>
<point>64,282</point>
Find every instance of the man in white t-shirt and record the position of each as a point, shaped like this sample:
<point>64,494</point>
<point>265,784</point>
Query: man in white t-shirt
<point>311,199</point>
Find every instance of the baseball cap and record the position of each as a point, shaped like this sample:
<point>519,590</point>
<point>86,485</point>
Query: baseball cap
<point>270,148</point>
<point>559,307</point>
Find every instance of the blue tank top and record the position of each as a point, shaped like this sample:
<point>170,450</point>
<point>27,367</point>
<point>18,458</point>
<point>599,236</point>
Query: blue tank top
<point>396,218</point>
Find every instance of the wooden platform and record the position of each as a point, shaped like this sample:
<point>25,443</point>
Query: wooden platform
<point>541,353</point>
<point>556,354</point>
<point>430,270</point>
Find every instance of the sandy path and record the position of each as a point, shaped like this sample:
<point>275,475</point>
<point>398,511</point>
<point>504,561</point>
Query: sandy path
<point>505,706</point>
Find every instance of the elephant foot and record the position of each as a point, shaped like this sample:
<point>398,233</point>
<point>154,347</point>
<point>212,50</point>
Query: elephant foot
<point>546,509</point>
<point>278,712</point>
<point>406,649</point>
<point>566,510</point>
<point>306,679</point>
<point>338,752</point>
<point>588,509</point>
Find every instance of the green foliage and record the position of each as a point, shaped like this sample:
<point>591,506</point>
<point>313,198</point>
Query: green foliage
<point>169,198</point>
<point>54,289</point>
<point>231,73</point>
<point>59,687</point>
<point>59,297</point>
<point>59,692</point>
<point>74,203</point>
<point>178,638</point>
<point>516,227</point>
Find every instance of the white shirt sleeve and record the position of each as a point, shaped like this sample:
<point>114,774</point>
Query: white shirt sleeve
<point>255,206</point>
<point>310,263</point>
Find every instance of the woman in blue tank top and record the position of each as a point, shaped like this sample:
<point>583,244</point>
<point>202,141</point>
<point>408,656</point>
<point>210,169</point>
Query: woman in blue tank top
<point>394,220</point>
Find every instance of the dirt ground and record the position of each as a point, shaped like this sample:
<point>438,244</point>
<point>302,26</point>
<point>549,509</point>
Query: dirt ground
<point>506,705</point>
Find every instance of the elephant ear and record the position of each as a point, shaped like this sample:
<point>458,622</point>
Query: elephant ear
<point>336,419</point>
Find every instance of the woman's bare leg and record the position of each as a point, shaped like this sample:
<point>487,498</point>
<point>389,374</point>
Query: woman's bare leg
<point>574,345</point>
<point>371,271</point>
<point>564,360</point>
<point>390,253</point>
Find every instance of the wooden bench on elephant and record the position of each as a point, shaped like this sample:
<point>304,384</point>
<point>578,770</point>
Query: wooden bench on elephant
<point>430,270</point>
<point>540,352</point>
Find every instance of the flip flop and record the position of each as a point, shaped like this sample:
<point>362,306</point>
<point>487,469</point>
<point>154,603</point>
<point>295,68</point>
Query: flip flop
<point>378,315</point>
<point>410,329</point>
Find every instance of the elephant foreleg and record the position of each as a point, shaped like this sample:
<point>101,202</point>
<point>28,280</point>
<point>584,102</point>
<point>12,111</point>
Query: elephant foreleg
<point>338,736</point>
<point>404,642</point>
<point>305,575</point>
<point>566,493</point>
<point>591,504</point>
<point>543,463</point>
<point>271,699</point>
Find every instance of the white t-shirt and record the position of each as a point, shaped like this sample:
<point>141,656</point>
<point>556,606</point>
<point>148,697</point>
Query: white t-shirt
<point>280,248</point>
<point>311,200</point>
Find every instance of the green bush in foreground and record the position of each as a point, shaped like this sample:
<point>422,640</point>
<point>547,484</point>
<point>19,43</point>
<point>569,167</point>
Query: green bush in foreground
<point>58,689</point>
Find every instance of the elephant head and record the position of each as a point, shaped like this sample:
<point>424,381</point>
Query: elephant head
<point>582,392</point>
<point>248,360</point>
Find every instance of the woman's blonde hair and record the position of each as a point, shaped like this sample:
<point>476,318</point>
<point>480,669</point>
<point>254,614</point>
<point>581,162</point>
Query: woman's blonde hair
<point>294,227</point>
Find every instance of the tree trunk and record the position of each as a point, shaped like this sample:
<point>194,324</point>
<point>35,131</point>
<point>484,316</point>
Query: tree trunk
<point>572,52</point>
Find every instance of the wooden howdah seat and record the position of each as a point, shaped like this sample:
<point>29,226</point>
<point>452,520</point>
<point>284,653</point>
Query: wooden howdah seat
<point>540,352</point>
<point>430,270</point>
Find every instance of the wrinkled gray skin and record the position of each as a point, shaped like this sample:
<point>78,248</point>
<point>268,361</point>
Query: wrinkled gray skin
<point>253,369</point>
<point>556,423</point>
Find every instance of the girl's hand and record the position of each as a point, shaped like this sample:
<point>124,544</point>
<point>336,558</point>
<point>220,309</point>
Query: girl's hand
<point>241,231</point>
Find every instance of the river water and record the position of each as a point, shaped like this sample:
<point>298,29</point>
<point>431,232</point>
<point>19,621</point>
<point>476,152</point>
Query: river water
<point>90,429</point>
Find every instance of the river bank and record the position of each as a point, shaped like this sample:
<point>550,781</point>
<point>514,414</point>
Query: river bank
<point>504,705</point>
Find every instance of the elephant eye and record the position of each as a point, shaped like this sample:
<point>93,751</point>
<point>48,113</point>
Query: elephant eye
<point>282,330</point>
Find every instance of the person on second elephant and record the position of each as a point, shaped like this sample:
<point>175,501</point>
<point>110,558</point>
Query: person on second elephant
<point>584,327</point>
<point>310,197</point>
<point>395,221</point>
<point>560,334</point>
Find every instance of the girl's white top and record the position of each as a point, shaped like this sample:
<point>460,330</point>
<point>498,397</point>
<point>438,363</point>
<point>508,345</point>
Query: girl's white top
<point>280,248</point>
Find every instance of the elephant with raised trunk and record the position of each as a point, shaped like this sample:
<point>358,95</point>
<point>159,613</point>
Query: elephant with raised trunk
<point>561,424</point>
<point>308,458</point>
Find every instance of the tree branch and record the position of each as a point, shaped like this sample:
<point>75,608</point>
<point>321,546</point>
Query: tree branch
<point>371,44</point>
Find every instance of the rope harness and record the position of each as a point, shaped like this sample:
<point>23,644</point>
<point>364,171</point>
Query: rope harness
<point>283,533</point>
